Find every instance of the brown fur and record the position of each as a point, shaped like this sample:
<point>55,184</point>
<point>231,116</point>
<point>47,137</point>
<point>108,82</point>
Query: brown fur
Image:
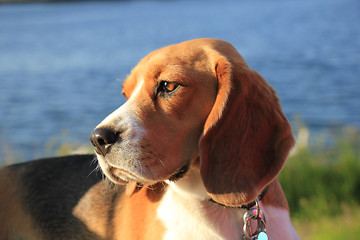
<point>253,142</point>
<point>224,121</point>
<point>275,196</point>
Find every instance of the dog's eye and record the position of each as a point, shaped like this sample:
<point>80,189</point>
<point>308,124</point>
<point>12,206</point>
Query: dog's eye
<point>165,87</point>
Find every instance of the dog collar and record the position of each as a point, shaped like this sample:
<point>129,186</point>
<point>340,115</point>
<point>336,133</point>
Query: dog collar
<point>245,206</point>
<point>254,218</point>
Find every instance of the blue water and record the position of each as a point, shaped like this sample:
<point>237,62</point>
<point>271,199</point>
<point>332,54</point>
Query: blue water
<point>62,64</point>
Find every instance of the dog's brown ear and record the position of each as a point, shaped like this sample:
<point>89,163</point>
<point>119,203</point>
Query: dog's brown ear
<point>246,137</point>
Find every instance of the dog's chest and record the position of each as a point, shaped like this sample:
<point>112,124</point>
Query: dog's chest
<point>187,218</point>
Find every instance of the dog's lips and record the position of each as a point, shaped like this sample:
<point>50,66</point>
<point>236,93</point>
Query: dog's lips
<point>114,174</point>
<point>109,173</point>
<point>120,174</point>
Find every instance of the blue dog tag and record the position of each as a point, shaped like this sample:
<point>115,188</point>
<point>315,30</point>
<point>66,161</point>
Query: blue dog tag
<point>262,236</point>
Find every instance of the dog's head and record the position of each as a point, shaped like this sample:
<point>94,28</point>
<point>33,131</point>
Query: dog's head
<point>196,104</point>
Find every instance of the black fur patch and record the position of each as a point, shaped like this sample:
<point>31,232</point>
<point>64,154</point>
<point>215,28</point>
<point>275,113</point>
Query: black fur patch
<point>52,187</point>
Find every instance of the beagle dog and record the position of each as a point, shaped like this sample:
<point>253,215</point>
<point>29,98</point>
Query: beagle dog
<point>199,139</point>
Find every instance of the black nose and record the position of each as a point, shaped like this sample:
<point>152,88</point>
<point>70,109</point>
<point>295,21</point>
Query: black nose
<point>103,139</point>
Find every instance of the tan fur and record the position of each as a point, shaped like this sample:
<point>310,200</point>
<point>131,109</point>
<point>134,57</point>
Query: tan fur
<point>93,212</point>
<point>136,215</point>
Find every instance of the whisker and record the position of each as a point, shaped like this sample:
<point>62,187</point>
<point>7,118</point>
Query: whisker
<point>164,185</point>
<point>150,172</point>
<point>161,164</point>
<point>140,167</point>
<point>96,169</point>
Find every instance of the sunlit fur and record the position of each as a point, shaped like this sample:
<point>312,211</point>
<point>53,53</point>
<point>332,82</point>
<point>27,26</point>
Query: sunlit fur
<point>218,132</point>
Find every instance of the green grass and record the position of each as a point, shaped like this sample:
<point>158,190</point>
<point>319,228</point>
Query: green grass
<point>322,185</point>
<point>319,179</point>
<point>344,226</point>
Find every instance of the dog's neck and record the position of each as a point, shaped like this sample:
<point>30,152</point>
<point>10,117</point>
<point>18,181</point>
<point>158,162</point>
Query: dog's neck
<point>190,186</point>
<point>195,215</point>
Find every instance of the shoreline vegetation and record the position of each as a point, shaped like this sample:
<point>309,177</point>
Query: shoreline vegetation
<point>321,180</point>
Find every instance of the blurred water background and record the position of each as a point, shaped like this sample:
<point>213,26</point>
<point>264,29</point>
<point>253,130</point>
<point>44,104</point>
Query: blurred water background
<point>62,64</point>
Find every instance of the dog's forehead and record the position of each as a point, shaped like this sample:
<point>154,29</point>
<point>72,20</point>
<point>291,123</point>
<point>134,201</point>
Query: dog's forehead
<point>175,61</point>
<point>184,55</point>
<point>182,61</point>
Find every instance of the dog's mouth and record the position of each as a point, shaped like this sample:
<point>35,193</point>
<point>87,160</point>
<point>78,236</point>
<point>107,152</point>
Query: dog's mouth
<point>120,176</point>
<point>115,174</point>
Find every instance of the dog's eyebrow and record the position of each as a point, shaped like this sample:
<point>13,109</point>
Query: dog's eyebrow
<point>156,75</point>
<point>127,87</point>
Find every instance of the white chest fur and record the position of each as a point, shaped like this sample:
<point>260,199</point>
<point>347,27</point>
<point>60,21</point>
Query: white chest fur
<point>187,213</point>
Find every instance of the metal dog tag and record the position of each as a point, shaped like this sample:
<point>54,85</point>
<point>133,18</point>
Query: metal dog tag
<point>262,236</point>
<point>255,224</point>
